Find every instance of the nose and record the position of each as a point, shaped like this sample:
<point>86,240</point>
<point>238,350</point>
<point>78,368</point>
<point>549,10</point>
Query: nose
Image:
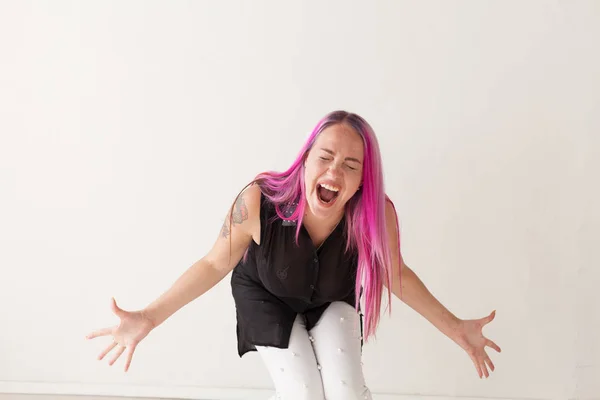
<point>335,169</point>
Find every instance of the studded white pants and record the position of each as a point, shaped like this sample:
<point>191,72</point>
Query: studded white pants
<point>323,363</point>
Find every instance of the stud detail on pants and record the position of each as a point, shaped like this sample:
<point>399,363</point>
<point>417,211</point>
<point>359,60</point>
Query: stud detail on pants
<point>340,350</point>
<point>311,338</point>
<point>319,367</point>
<point>293,354</point>
<point>341,319</point>
<point>343,382</point>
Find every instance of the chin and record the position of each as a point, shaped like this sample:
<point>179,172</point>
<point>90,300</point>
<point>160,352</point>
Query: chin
<point>321,209</point>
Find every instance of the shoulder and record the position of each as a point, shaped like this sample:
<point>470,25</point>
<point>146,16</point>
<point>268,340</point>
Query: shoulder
<point>391,221</point>
<point>250,196</point>
<point>390,212</point>
<point>393,231</point>
<point>247,209</point>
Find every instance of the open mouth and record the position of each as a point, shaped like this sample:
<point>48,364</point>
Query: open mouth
<point>327,194</point>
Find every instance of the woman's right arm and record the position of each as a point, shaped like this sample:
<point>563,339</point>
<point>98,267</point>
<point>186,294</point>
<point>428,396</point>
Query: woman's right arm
<point>241,226</point>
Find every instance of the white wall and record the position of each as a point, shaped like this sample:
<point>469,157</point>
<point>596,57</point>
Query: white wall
<point>127,127</point>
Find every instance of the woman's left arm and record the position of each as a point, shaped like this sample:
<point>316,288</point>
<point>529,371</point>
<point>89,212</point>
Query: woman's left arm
<point>407,286</point>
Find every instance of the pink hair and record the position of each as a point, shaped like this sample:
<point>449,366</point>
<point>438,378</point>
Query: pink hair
<point>365,213</point>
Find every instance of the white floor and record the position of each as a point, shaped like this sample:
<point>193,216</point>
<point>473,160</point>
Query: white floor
<point>11,396</point>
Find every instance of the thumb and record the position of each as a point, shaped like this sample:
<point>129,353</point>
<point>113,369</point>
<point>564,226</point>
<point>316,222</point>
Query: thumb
<point>115,308</point>
<point>490,317</point>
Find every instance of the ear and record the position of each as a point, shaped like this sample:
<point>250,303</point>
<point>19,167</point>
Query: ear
<point>304,159</point>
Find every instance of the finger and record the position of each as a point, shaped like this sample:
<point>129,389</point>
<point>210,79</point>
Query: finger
<point>493,346</point>
<point>115,308</point>
<point>106,350</point>
<point>99,332</point>
<point>490,317</point>
<point>477,366</point>
<point>486,373</point>
<point>116,355</point>
<point>490,363</point>
<point>130,351</point>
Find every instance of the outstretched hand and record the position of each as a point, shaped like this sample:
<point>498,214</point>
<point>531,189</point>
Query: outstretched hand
<point>132,328</point>
<point>470,338</point>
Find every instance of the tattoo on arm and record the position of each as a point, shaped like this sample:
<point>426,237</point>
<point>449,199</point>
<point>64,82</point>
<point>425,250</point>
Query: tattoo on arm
<point>225,229</point>
<point>238,216</point>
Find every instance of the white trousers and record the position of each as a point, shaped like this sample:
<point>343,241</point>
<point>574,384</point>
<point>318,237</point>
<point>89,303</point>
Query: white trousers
<point>323,363</point>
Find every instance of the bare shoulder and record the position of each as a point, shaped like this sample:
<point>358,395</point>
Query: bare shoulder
<point>391,222</point>
<point>241,223</point>
<point>390,212</point>
<point>392,227</point>
<point>245,213</point>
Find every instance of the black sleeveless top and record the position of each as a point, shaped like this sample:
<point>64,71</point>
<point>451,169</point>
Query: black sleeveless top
<point>281,279</point>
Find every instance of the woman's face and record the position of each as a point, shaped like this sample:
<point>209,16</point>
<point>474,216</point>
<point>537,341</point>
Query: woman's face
<point>333,170</point>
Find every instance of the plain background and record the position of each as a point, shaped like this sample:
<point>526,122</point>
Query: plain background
<point>128,127</point>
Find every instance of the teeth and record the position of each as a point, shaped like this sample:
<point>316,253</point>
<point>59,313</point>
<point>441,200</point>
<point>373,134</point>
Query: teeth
<point>328,187</point>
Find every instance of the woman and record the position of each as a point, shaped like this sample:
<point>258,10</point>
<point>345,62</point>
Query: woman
<point>300,245</point>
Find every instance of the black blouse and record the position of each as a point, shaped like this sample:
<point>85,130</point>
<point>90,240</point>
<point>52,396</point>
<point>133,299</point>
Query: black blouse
<point>281,279</point>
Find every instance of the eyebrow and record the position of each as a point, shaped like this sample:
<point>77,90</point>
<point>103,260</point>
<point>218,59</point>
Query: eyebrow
<point>347,158</point>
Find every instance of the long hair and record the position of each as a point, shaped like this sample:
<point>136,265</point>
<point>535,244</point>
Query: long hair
<point>365,213</point>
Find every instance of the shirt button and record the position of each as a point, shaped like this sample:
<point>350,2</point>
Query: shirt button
<point>312,286</point>
<point>316,260</point>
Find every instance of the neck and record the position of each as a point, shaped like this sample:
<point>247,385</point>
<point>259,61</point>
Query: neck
<point>328,224</point>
